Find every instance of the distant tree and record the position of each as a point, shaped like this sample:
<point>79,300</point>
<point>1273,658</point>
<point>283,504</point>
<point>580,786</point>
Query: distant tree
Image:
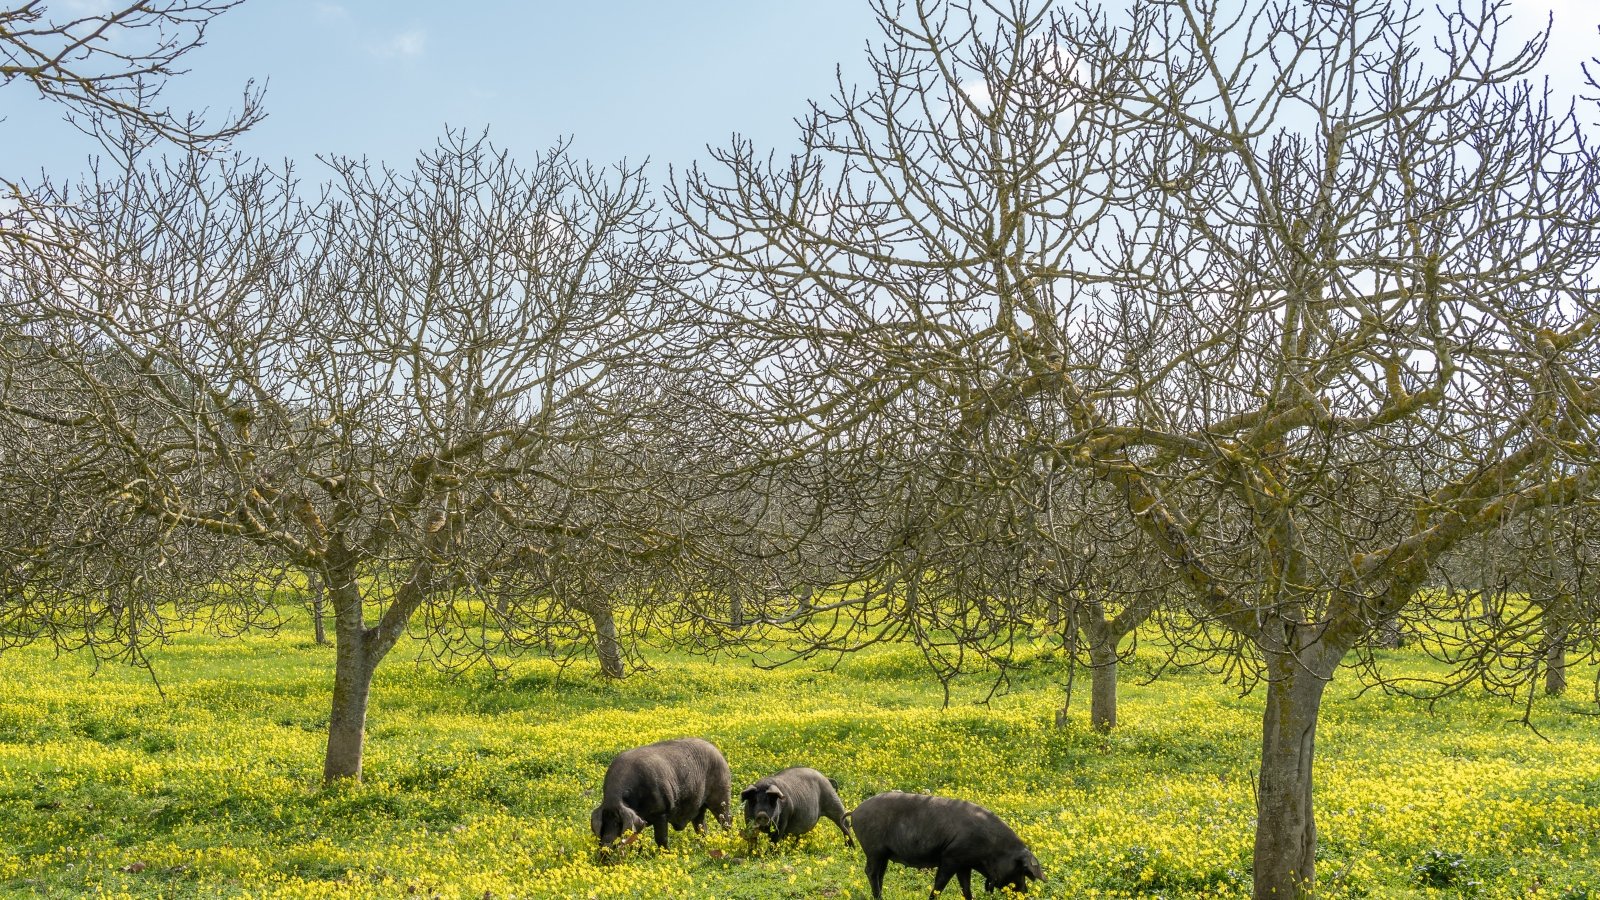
<point>1260,260</point>
<point>318,606</point>
<point>1531,593</point>
<point>418,389</point>
<point>1569,604</point>
<point>1104,575</point>
<point>76,571</point>
<point>892,529</point>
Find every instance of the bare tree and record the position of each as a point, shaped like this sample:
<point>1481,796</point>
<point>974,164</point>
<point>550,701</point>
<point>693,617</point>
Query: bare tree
<point>412,389</point>
<point>106,69</point>
<point>896,529</point>
<point>1530,593</point>
<point>77,572</point>
<point>107,66</point>
<point>1104,575</point>
<point>1261,261</point>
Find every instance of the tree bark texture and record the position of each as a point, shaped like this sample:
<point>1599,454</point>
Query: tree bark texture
<point>1555,656</point>
<point>1103,679</point>
<point>1286,831</point>
<point>606,645</point>
<point>352,684</point>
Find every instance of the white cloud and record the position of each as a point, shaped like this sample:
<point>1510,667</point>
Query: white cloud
<point>977,90</point>
<point>1053,69</point>
<point>405,44</point>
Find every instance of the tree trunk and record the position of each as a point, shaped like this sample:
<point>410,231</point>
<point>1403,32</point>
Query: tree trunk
<point>1104,636</point>
<point>1390,637</point>
<point>605,642</point>
<point>1286,832</point>
<point>1491,612</point>
<point>736,610</point>
<point>1555,656</point>
<point>352,683</point>
<point>1103,680</point>
<point>318,602</point>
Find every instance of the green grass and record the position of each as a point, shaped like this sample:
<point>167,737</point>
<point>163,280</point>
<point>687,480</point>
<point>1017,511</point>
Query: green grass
<point>477,787</point>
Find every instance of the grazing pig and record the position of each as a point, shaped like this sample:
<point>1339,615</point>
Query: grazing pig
<point>790,802</point>
<point>953,837</point>
<point>666,783</point>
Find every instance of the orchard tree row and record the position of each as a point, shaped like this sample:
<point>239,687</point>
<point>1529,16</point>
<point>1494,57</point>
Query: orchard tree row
<point>1272,328</point>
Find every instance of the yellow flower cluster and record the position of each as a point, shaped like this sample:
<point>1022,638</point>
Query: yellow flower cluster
<point>481,787</point>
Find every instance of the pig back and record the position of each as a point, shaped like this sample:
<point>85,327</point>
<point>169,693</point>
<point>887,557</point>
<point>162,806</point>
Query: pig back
<point>669,777</point>
<point>924,831</point>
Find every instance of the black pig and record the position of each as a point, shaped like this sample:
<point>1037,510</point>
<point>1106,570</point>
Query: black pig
<point>790,802</point>
<point>953,837</point>
<point>666,783</point>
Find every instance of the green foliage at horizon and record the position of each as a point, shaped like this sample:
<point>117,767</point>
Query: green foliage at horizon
<point>477,785</point>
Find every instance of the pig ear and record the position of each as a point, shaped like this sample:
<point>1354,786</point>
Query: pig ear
<point>634,821</point>
<point>774,793</point>
<point>1031,864</point>
<point>746,795</point>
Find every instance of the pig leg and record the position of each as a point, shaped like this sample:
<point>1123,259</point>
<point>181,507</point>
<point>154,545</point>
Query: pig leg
<point>965,877</point>
<point>844,826</point>
<point>942,878</point>
<point>660,825</point>
<point>876,865</point>
<point>700,821</point>
<point>834,810</point>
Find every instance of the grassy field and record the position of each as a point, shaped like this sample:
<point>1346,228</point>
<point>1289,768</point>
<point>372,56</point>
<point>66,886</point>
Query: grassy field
<point>481,788</point>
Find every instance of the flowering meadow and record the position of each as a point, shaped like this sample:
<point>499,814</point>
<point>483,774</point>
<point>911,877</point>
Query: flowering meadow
<point>478,786</point>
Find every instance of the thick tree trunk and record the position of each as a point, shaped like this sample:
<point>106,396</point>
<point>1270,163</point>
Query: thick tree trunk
<point>736,610</point>
<point>1103,680</point>
<point>1286,832</point>
<point>357,652</point>
<point>1104,636</point>
<point>1555,657</point>
<point>352,683</point>
<point>605,642</point>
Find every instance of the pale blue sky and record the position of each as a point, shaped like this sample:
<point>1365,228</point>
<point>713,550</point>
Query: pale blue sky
<point>625,78</point>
